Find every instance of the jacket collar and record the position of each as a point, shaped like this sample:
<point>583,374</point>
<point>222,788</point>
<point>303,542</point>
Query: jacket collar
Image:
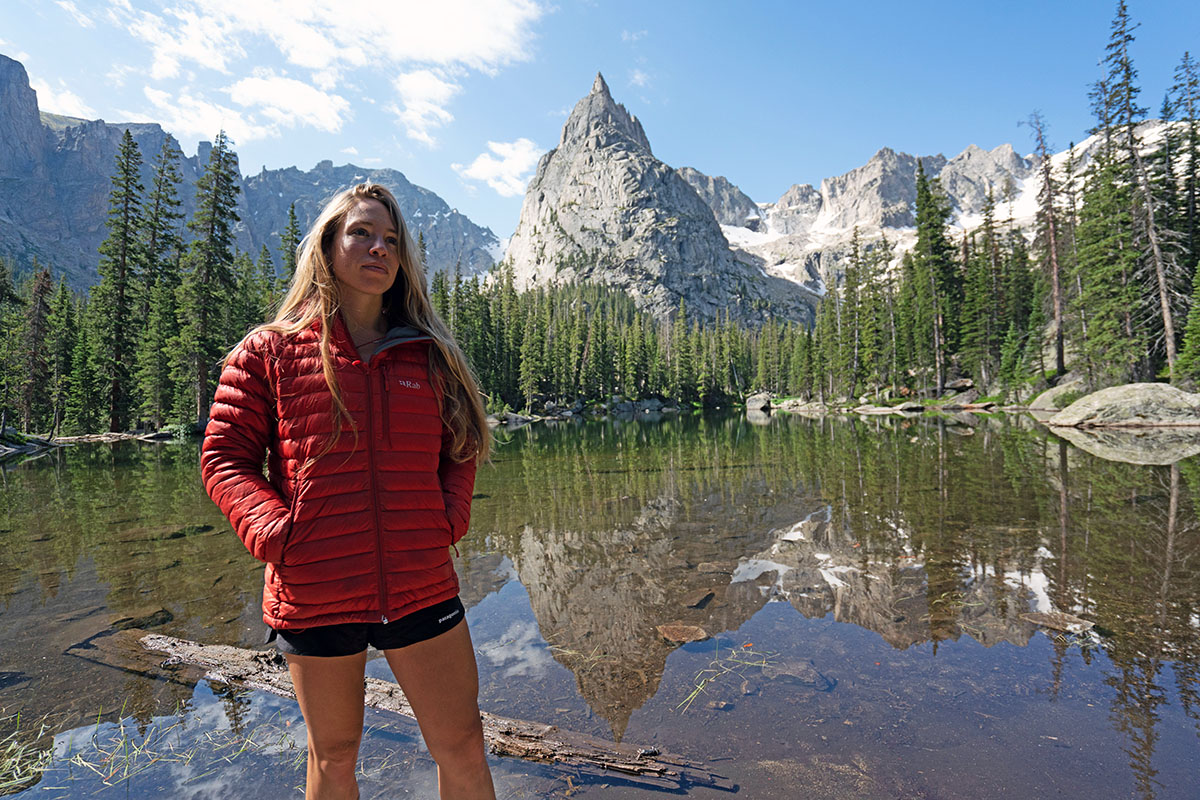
<point>398,335</point>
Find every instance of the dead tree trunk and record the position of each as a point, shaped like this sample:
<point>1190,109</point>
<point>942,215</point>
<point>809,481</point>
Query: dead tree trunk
<point>535,741</point>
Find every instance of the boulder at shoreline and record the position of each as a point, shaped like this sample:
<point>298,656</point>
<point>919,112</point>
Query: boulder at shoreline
<point>1132,405</point>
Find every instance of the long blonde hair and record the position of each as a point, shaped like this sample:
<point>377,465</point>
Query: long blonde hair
<point>313,295</point>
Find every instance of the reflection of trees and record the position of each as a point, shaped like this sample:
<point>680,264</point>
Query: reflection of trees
<point>619,527</point>
<point>97,534</point>
<point>1138,549</point>
<point>929,535</point>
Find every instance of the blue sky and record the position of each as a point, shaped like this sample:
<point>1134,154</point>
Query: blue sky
<point>463,96</point>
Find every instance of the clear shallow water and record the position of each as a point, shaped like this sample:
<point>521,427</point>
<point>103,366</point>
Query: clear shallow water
<point>878,569</point>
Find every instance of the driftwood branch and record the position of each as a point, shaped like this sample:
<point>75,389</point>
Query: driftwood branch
<point>534,741</point>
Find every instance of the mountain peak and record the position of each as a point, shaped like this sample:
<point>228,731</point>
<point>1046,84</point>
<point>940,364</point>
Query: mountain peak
<point>599,114</point>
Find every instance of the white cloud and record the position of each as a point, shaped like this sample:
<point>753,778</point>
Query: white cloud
<point>289,102</point>
<point>632,36</point>
<point>117,76</point>
<point>81,18</point>
<point>184,36</point>
<point>639,78</point>
<point>61,100</point>
<point>350,151</point>
<point>188,115</point>
<point>423,97</point>
<point>332,37</point>
<point>507,174</point>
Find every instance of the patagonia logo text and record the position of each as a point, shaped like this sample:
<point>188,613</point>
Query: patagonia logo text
<point>449,616</point>
<point>407,384</point>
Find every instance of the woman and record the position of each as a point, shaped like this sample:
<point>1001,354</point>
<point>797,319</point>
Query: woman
<point>371,423</point>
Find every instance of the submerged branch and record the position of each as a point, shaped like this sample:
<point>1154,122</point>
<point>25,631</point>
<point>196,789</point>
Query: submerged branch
<point>535,741</point>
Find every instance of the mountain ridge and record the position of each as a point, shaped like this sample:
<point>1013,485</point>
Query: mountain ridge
<point>55,172</point>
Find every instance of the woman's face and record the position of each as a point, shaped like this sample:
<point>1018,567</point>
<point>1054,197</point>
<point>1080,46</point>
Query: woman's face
<point>366,250</point>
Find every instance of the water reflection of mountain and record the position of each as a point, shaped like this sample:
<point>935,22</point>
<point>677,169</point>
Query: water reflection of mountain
<point>894,526</point>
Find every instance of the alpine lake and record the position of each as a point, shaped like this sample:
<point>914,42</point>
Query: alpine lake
<point>864,585</point>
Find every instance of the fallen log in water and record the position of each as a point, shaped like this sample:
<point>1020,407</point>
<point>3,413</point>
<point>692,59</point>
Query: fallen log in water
<point>267,670</point>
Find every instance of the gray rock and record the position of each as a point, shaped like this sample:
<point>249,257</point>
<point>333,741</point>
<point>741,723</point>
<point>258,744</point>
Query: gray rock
<point>759,402</point>
<point>880,194</point>
<point>56,173</point>
<point>601,208</point>
<point>1051,399</point>
<point>961,399</point>
<point>729,204</point>
<point>796,210</point>
<point>1132,405</point>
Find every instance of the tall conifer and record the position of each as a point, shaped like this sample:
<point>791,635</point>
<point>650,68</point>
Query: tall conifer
<point>207,282</point>
<point>113,299</point>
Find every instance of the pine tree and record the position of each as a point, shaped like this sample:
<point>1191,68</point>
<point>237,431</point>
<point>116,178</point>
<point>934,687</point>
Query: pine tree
<point>10,323</point>
<point>289,243</point>
<point>35,355</point>
<point>938,283</point>
<point>154,367</point>
<point>1048,225</point>
<point>114,297</point>
<point>1188,367</point>
<point>84,407</point>
<point>1106,265</point>
<point>60,345</point>
<point>161,218</point>
<point>207,282</point>
<point>532,351</point>
<point>1186,102</point>
<point>977,313</point>
<point>439,295</point>
<point>1159,286</point>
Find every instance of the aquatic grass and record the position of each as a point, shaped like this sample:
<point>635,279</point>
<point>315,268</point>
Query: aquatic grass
<point>119,753</point>
<point>736,662</point>
<point>22,763</point>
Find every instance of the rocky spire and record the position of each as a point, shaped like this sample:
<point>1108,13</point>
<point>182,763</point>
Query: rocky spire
<point>599,115</point>
<point>602,208</point>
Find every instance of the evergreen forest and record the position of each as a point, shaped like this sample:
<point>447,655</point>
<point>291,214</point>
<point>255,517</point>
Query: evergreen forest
<point>1105,285</point>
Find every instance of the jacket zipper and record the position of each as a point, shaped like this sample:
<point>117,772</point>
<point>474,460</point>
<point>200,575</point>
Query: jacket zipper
<point>375,496</point>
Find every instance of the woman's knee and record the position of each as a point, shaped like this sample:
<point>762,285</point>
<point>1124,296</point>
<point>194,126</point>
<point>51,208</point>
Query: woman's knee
<point>461,744</point>
<point>334,753</point>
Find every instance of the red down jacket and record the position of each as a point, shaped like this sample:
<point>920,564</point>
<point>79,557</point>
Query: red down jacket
<point>363,534</point>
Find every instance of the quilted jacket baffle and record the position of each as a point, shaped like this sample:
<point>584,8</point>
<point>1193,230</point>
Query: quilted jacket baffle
<point>363,533</point>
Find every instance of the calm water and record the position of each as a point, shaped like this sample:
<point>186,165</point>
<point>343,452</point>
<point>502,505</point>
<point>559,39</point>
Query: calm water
<point>862,583</point>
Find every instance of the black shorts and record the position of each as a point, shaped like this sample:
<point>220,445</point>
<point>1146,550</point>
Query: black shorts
<point>350,638</point>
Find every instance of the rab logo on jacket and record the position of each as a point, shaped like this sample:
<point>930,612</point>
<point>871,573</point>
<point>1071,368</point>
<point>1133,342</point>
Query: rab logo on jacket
<point>407,384</point>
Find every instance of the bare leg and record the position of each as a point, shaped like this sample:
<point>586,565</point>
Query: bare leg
<point>441,682</point>
<point>330,691</point>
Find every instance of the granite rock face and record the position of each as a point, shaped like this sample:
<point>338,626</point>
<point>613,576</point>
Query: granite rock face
<point>1132,405</point>
<point>450,237</point>
<point>601,208</point>
<point>967,178</point>
<point>55,178</point>
<point>729,204</point>
<point>879,194</point>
